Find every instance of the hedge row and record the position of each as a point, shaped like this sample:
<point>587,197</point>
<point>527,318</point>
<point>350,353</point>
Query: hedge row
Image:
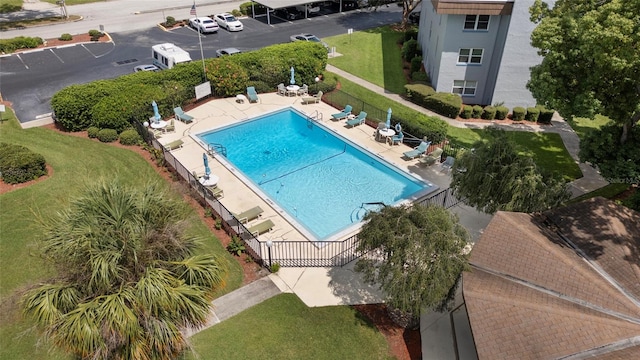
<point>442,103</point>
<point>18,164</point>
<point>534,114</point>
<point>21,42</point>
<point>113,103</point>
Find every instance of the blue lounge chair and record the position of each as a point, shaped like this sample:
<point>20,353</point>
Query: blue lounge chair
<point>343,114</point>
<point>396,139</point>
<point>418,150</point>
<point>358,119</point>
<point>252,94</point>
<point>181,116</point>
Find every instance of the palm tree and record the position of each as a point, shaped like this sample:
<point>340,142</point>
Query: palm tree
<point>128,281</point>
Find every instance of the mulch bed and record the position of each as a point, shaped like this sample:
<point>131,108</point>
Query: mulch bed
<point>404,344</point>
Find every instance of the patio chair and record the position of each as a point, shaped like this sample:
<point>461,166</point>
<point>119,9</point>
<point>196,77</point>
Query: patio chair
<point>282,90</point>
<point>418,150</point>
<point>358,119</point>
<point>343,114</point>
<point>304,90</point>
<point>432,157</point>
<point>448,163</point>
<point>396,139</point>
<point>248,215</point>
<point>171,127</point>
<point>216,191</point>
<point>181,115</point>
<point>174,145</point>
<point>312,99</point>
<point>252,94</point>
<point>261,228</point>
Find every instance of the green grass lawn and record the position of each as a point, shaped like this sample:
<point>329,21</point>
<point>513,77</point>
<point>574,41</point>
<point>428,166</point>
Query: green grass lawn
<point>76,162</point>
<point>283,327</point>
<point>608,192</point>
<point>583,125</point>
<point>373,55</point>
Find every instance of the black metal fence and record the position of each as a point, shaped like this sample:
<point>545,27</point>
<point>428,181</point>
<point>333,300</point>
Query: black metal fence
<point>298,253</point>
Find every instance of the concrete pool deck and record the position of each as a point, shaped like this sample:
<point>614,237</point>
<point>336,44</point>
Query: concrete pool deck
<point>315,286</point>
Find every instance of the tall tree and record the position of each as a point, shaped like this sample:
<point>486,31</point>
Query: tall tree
<point>415,255</point>
<point>591,61</point>
<point>494,176</point>
<point>128,281</point>
<point>407,8</point>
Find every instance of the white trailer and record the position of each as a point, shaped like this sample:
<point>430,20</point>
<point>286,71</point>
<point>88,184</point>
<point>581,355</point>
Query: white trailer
<point>166,56</point>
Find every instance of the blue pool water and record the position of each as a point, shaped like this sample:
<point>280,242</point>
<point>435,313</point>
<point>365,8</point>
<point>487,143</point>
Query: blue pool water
<point>321,180</point>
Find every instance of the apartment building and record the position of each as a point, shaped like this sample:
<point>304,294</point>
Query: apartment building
<point>480,49</point>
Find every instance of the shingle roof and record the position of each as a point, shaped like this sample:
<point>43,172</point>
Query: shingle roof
<point>530,295</point>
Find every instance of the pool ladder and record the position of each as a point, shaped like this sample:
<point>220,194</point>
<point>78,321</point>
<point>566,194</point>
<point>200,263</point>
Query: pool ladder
<point>315,116</point>
<point>214,149</point>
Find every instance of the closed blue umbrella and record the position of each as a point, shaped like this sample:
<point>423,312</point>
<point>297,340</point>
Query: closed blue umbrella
<point>293,80</point>
<point>207,171</point>
<point>389,119</point>
<point>156,113</point>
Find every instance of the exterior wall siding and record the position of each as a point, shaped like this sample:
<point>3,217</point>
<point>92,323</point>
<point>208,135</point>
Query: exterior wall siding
<point>507,58</point>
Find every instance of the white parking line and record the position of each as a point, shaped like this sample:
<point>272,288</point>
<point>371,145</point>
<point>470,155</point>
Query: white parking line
<point>56,55</point>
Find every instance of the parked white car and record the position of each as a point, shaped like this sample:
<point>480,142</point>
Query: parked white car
<point>204,24</point>
<point>308,37</point>
<point>228,22</point>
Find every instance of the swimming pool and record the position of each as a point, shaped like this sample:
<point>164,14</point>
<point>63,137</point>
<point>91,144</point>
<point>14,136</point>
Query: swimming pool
<point>322,181</point>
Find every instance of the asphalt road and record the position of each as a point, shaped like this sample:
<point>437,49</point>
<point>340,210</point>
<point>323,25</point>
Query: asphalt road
<point>29,80</point>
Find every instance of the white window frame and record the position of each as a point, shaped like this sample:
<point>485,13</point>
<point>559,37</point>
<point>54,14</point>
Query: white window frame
<point>470,54</point>
<point>476,22</point>
<point>464,87</point>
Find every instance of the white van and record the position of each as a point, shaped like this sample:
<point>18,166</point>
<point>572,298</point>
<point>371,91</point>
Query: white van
<point>166,56</point>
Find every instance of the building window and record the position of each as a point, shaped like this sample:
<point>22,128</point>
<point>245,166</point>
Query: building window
<point>465,87</point>
<point>476,22</point>
<point>470,56</point>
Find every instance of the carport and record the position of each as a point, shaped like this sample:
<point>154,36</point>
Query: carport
<point>273,5</point>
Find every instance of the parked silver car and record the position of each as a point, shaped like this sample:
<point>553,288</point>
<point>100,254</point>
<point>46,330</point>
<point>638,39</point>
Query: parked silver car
<point>308,37</point>
<point>227,51</point>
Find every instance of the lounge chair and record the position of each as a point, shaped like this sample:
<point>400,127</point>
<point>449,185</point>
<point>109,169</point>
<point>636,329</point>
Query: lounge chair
<point>396,139</point>
<point>448,163</point>
<point>282,90</point>
<point>261,228</point>
<point>312,99</point>
<point>174,145</point>
<point>252,94</point>
<point>432,157</point>
<point>343,114</point>
<point>248,215</point>
<point>181,115</point>
<point>358,119</point>
<point>418,150</point>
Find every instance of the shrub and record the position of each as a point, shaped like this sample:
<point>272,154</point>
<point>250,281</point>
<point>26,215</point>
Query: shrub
<point>328,84</point>
<point>92,132</point>
<point>476,112</point>
<point>532,114</point>
<point>416,64</point>
<point>501,112</point>
<point>19,164</point>
<point>466,112</point>
<point>411,33</point>
<point>227,77</point>
<point>446,104</point>
<point>275,267</point>
<point>20,42</point>
<point>409,49</point>
<point>107,135</point>
<point>170,21</point>
<point>236,246</point>
<point>418,93</point>
<point>489,113</point>
<point>633,201</point>
<point>614,160</point>
<point>236,13</point>
<point>130,137</point>
<point>545,115</point>
<point>65,37</point>
<point>95,33</point>
<point>420,77</point>
<point>518,113</point>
